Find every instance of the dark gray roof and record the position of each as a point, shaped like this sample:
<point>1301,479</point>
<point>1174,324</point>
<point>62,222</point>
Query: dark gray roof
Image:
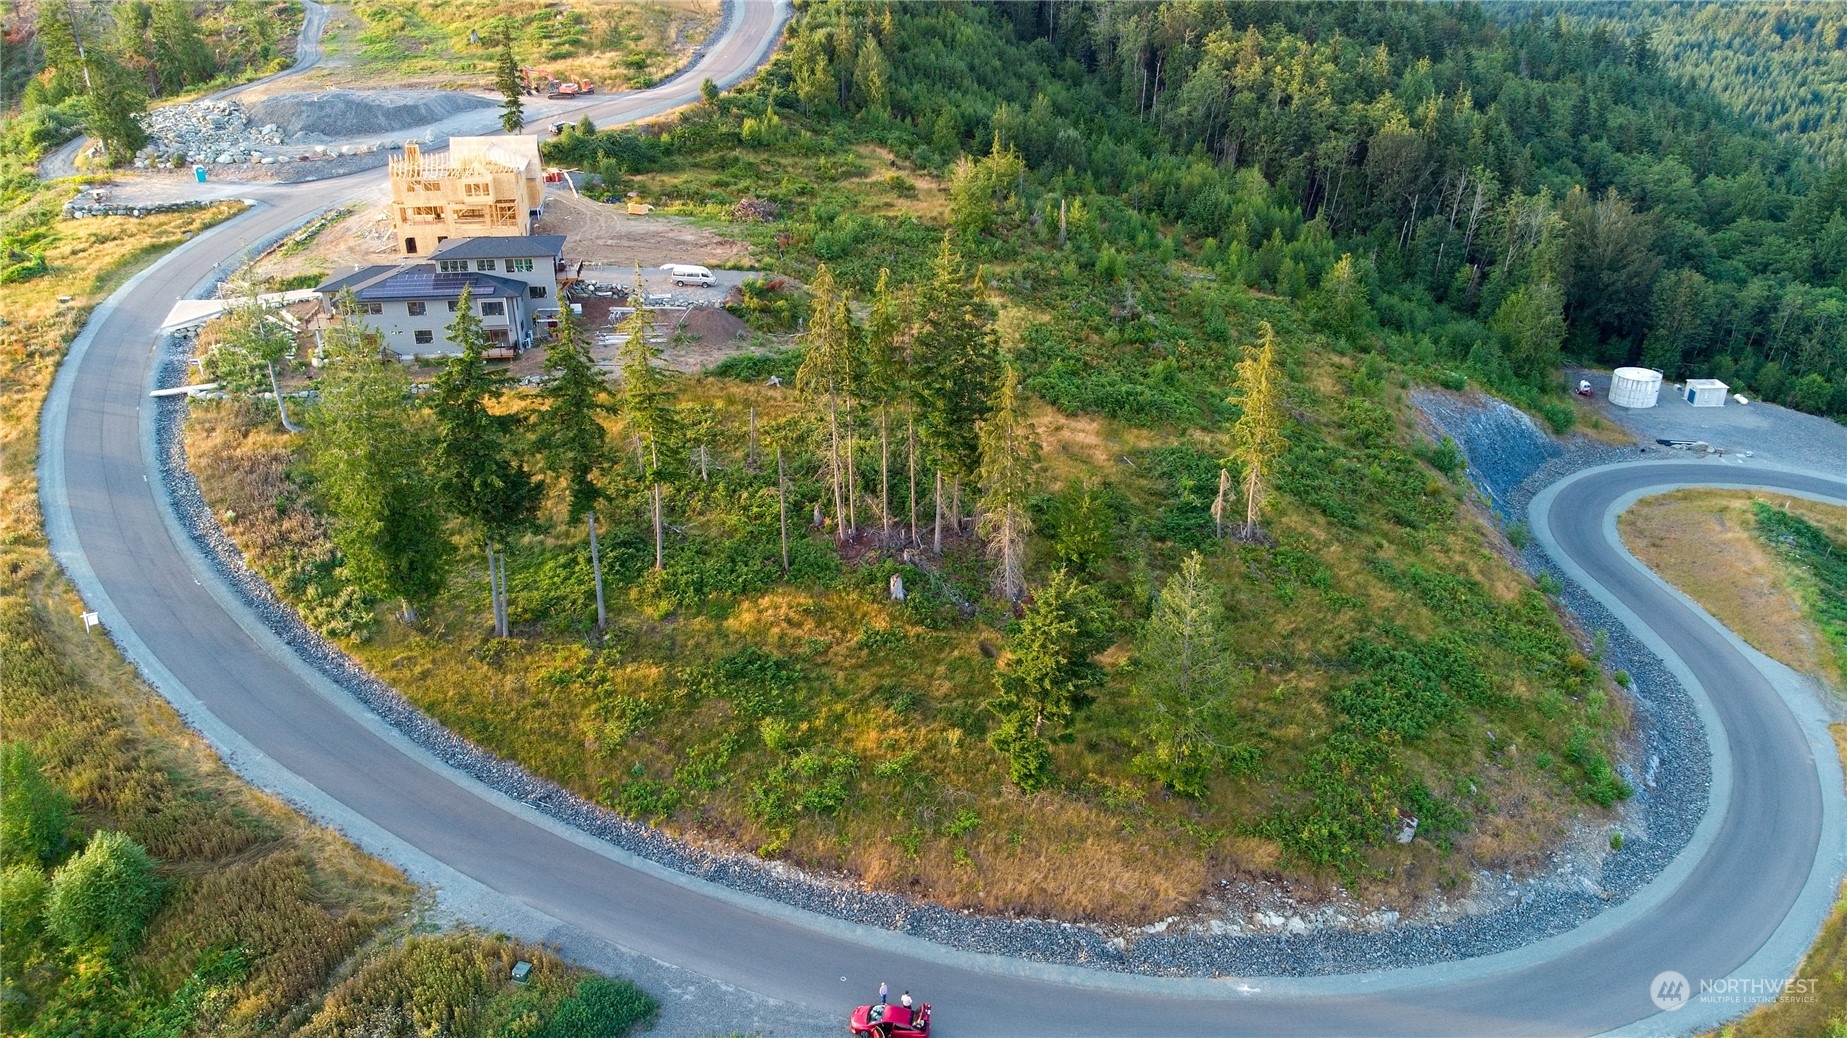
<point>363,276</point>
<point>501,248</point>
<point>423,281</point>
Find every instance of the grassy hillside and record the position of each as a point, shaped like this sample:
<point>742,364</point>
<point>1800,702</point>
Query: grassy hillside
<point>1388,661</point>
<point>615,45</point>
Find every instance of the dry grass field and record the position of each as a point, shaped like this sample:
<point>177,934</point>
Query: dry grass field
<point>1702,542</point>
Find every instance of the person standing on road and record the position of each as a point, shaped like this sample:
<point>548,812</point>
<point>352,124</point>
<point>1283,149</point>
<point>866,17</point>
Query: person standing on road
<point>883,990</point>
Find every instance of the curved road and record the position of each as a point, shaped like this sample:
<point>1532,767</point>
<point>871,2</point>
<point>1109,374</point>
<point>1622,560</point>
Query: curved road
<point>1748,883</point>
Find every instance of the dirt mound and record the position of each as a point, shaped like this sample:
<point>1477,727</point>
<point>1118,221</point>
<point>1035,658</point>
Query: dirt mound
<point>703,337</point>
<point>713,326</point>
<point>349,113</point>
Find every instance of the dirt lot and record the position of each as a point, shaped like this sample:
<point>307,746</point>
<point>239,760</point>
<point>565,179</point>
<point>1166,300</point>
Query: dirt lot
<point>594,232</point>
<point>602,233</point>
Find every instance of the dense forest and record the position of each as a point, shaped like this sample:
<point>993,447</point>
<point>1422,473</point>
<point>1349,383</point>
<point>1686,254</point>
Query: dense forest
<point>1504,191</point>
<point>1781,64</point>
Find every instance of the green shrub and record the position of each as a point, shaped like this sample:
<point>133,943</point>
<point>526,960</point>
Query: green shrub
<point>104,895</point>
<point>601,1008</point>
<point>1444,456</point>
<point>1561,417</point>
<point>22,900</point>
<point>759,367</point>
<point>34,814</point>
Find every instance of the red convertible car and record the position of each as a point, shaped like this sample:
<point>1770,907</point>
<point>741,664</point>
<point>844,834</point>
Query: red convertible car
<point>893,1021</point>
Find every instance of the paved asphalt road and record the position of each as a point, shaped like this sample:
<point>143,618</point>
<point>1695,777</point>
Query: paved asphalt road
<point>113,531</point>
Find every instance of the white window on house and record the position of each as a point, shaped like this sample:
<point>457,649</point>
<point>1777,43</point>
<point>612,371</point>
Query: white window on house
<point>372,308</point>
<point>452,266</point>
<point>536,291</point>
<point>484,264</point>
<point>519,266</point>
<point>454,306</point>
<point>414,309</point>
<point>493,308</point>
<point>424,336</point>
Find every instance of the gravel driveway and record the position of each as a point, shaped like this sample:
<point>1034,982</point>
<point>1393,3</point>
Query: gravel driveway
<point>1771,433</point>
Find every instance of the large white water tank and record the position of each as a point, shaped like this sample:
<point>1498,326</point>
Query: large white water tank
<point>1635,387</point>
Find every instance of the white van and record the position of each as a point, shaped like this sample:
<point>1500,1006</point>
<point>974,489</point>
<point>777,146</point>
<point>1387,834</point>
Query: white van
<point>684,274</point>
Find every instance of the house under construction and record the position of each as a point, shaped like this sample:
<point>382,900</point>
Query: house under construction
<point>486,187</point>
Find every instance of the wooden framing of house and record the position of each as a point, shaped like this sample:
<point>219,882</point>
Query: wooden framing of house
<point>485,187</point>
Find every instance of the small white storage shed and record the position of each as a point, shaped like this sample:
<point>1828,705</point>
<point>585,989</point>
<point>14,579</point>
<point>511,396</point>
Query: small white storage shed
<point>1706,392</point>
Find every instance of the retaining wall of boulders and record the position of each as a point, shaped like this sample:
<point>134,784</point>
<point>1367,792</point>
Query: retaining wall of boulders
<point>77,209</point>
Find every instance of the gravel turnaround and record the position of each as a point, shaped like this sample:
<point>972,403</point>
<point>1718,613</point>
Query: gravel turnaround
<point>1670,747</point>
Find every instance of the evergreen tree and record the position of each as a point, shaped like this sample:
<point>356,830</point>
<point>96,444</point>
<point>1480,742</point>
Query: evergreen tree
<point>879,378</point>
<point>954,364</point>
<point>649,410</point>
<point>814,74</point>
<point>62,39</point>
<point>114,102</point>
<point>870,75</point>
<point>370,453</point>
<point>1009,452</point>
<point>506,80</point>
<point>827,375</point>
<point>1046,673</point>
<point>570,435</point>
<point>1341,303</point>
<point>1185,673</point>
<point>1257,442</point>
<point>477,465</point>
<point>180,55</point>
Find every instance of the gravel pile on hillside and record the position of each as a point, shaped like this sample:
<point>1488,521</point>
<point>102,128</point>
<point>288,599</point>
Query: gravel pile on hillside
<point>283,127</point>
<point>1550,904</point>
<point>1503,445</point>
<point>341,114</point>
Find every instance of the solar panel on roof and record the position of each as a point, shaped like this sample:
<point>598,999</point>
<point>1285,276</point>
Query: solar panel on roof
<point>425,282</point>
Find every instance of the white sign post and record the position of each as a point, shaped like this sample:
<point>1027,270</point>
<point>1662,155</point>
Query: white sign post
<point>90,620</point>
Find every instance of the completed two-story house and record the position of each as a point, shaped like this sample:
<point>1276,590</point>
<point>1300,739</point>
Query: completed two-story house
<point>412,305</point>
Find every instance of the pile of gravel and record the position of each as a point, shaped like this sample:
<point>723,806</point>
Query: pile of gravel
<point>287,126</point>
<point>1503,446</point>
<point>341,114</point>
<point>1532,910</point>
<point>205,131</point>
